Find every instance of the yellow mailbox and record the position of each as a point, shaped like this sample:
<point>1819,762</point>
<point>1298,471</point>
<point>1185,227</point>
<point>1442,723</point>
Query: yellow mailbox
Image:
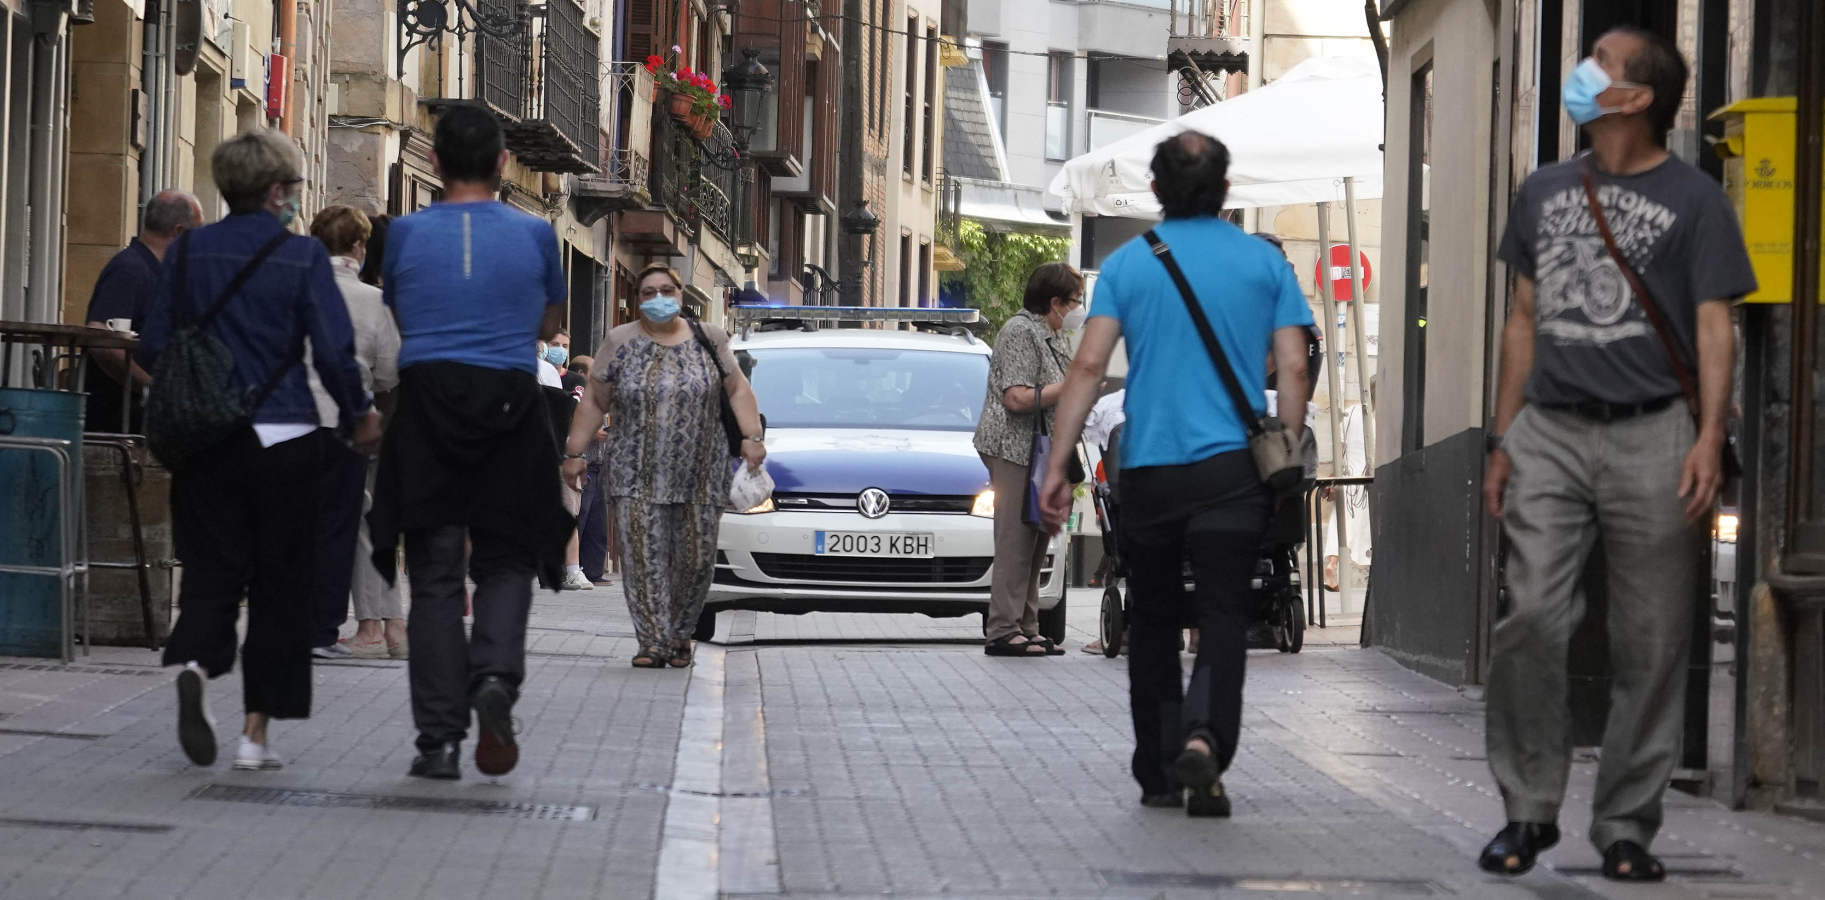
<point>1758,174</point>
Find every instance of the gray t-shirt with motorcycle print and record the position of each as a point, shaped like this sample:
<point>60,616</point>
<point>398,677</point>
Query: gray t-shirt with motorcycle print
<point>1591,339</point>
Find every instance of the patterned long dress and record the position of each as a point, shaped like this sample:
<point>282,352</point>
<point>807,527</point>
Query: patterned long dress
<point>667,476</point>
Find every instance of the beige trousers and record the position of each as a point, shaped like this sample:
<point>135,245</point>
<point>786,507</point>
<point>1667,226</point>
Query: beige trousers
<point>1019,554</point>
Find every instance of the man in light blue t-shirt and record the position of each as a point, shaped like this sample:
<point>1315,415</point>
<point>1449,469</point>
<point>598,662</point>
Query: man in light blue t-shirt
<point>1189,484</point>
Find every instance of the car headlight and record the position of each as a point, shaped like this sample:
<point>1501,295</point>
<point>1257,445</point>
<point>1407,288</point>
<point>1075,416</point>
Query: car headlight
<point>1725,529</point>
<point>984,505</point>
<point>766,506</point>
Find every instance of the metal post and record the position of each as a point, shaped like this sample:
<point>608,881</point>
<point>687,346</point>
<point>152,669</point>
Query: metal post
<point>1357,317</point>
<point>1336,391</point>
<point>1809,142</point>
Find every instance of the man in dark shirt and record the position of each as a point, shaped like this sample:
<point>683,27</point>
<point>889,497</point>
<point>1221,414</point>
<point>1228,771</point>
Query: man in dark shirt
<point>1599,436</point>
<point>120,294</point>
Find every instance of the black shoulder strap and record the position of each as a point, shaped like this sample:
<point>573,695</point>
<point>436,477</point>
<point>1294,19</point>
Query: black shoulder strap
<point>703,340</point>
<point>1237,398</point>
<point>235,285</point>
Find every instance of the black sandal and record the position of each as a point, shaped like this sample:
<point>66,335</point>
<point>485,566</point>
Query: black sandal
<point>1005,646</point>
<point>1052,648</point>
<point>1629,861</point>
<point>649,659</point>
<point>1513,850</point>
<point>682,657</point>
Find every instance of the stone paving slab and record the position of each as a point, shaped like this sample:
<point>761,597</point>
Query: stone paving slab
<point>594,733</point>
<point>853,755</point>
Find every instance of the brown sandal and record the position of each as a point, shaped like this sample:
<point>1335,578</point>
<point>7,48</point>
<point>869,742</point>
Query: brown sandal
<point>649,659</point>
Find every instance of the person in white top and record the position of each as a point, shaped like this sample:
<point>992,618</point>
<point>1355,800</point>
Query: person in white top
<point>343,547</point>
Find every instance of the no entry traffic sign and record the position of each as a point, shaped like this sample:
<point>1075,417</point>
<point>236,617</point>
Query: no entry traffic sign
<point>1336,271</point>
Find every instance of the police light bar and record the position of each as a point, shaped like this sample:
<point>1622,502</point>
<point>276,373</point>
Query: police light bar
<point>745,315</point>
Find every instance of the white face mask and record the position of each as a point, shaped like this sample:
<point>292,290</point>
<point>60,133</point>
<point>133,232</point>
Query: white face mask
<point>1075,318</point>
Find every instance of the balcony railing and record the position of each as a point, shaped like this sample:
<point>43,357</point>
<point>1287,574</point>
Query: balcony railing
<point>1209,18</point>
<point>559,131</point>
<point>712,207</point>
<point>675,167</point>
<point>501,60</point>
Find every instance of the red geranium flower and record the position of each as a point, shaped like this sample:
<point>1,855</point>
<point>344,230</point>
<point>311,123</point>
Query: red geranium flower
<point>653,62</point>
<point>725,101</point>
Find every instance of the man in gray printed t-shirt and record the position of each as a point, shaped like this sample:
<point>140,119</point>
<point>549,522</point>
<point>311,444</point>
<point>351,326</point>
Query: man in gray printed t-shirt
<point>1594,439</point>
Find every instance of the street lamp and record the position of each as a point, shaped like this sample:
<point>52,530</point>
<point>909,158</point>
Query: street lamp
<point>861,223</point>
<point>747,83</point>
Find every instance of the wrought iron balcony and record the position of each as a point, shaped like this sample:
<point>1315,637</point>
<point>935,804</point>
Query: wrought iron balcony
<point>712,207</point>
<point>626,168</point>
<point>558,130</point>
<point>496,32</point>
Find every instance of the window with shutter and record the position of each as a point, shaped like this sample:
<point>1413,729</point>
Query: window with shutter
<point>642,19</point>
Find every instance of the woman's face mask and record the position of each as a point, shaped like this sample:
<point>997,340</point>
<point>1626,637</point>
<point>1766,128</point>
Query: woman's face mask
<point>659,305</point>
<point>1075,318</point>
<point>557,355</point>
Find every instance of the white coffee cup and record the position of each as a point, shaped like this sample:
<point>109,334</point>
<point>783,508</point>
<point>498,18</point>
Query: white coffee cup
<point>119,325</point>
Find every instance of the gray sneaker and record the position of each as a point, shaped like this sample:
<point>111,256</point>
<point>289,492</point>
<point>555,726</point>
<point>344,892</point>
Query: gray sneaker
<point>576,581</point>
<point>337,650</point>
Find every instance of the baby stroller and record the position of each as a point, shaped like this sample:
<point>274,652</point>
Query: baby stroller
<point>1277,618</point>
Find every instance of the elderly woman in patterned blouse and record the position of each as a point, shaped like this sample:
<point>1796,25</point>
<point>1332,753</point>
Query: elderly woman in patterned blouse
<point>668,473</point>
<point>1025,377</point>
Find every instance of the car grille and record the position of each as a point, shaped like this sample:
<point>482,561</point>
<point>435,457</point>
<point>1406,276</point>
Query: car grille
<point>900,503</point>
<point>937,570</point>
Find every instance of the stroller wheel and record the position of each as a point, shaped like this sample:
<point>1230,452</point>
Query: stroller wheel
<point>1289,623</point>
<point>1113,623</point>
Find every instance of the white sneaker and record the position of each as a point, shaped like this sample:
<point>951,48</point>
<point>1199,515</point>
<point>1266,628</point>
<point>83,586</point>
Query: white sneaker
<point>254,757</point>
<point>195,726</point>
<point>576,581</point>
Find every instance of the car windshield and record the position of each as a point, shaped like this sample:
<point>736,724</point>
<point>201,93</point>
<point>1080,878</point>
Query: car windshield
<point>856,387</point>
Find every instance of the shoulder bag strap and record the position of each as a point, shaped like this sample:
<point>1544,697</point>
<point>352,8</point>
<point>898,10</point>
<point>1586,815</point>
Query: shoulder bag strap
<point>1687,385</point>
<point>1039,412</point>
<point>703,340</point>
<point>1245,411</point>
<point>240,278</point>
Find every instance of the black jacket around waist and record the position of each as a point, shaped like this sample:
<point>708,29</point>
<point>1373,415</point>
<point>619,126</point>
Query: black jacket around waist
<point>473,447</point>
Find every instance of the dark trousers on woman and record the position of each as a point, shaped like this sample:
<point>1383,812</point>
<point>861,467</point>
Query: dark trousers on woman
<point>1212,513</point>
<point>341,489</point>
<point>592,528</point>
<point>445,664</point>
<point>243,522</point>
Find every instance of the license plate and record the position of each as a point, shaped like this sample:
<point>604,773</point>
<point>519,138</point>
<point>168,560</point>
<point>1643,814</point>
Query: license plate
<point>858,543</point>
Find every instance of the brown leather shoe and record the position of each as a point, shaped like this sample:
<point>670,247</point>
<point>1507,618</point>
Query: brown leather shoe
<point>495,750</point>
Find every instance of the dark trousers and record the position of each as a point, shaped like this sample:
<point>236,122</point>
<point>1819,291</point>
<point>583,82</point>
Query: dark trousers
<point>444,664</point>
<point>341,486</point>
<point>243,520</point>
<point>1212,513</point>
<point>592,528</point>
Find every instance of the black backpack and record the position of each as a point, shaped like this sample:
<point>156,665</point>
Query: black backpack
<point>194,404</point>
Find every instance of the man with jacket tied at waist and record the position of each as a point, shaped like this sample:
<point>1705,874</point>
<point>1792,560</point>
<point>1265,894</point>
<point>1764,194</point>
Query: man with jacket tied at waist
<point>470,454</point>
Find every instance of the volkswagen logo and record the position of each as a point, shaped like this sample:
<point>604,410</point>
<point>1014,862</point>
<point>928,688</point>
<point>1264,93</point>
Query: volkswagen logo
<point>872,503</point>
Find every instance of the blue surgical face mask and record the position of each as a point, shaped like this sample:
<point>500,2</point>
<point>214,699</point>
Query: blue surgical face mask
<point>661,309</point>
<point>1579,94</point>
<point>289,212</point>
<point>557,356</point>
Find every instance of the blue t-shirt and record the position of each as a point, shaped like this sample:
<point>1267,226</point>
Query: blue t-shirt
<point>470,283</point>
<point>1177,410</point>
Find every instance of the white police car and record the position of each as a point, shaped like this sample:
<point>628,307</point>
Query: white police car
<point>881,503</point>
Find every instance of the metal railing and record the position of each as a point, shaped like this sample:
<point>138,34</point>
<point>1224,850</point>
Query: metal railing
<point>562,75</point>
<point>950,211</point>
<point>1209,18</point>
<point>500,62</point>
<point>626,161</point>
<point>675,167</point>
<point>711,206</point>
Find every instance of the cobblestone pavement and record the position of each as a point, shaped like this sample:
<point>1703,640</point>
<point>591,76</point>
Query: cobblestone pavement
<point>818,756</point>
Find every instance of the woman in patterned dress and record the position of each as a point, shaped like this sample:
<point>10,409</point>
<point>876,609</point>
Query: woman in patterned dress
<point>667,475</point>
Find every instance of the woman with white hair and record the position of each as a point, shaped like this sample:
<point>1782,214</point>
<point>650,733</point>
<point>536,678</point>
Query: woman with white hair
<point>243,497</point>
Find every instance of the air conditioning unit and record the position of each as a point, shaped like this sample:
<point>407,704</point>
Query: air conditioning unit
<point>246,68</point>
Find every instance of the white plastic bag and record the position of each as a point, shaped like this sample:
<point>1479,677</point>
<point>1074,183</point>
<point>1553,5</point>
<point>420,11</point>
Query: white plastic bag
<point>750,488</point>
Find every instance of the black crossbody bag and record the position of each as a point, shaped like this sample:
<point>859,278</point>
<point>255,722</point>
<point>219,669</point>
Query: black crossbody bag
<point>1276,450</point>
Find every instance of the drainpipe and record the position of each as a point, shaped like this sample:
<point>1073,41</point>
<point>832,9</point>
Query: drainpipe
<point>149,174</point>
<point>44,295</point>
<point>1805,535</point>
<point>288,47</point>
